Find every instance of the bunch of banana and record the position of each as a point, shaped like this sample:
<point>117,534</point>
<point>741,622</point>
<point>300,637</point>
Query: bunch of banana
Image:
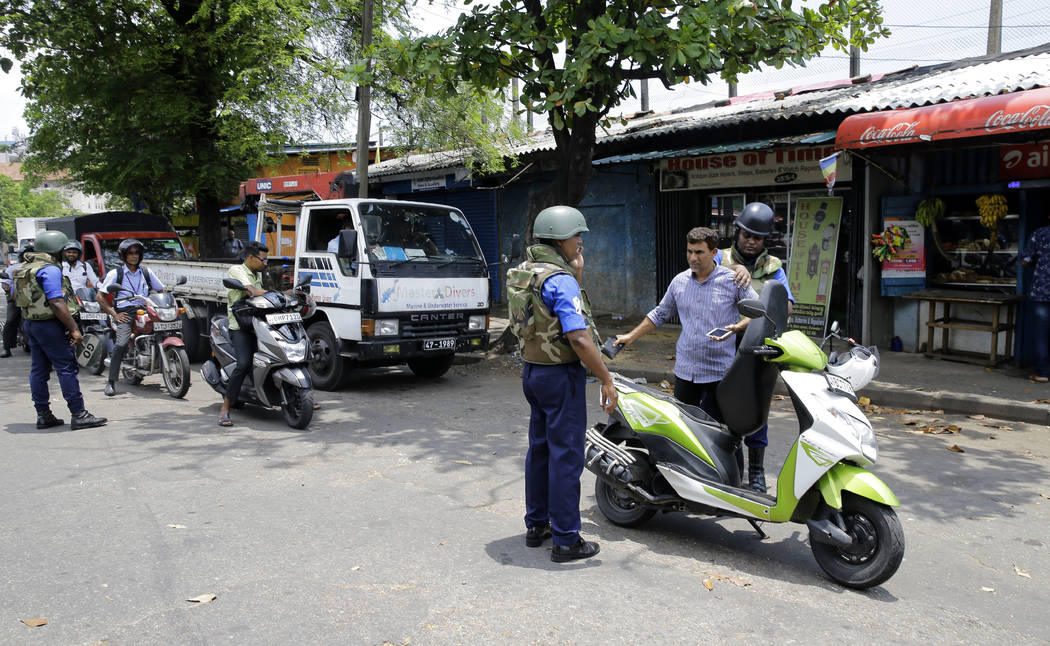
<point>929,210</point>
<point>991,208</point>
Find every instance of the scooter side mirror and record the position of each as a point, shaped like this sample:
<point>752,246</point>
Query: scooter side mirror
<point>752,308</point>
<point>232,283</point>
<point>834,327</point>
<point>113,289</point>
<point>3,274</point>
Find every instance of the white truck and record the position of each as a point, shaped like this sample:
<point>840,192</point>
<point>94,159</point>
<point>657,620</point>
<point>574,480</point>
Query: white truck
<point>26,228</point>
<point>405,283</point>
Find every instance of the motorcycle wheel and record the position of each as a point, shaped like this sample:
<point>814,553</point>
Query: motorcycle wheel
<point>878,547</point>
<point>300,407</point>
<point>431,367</point>
<point>618,507</point>
<point>177,376</point>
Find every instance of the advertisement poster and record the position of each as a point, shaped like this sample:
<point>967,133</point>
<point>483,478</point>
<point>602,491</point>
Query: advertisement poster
<point>909,262</point>
<point>780,166</point>
<point>811,267</point>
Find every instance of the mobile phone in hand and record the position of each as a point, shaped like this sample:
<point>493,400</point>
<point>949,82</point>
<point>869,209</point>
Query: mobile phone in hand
<point>610,349</point>
<point>720,333</point>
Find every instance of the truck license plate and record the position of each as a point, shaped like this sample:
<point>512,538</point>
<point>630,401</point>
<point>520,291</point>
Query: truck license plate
<point>439,344</point>
<point>285,317</point>
<point>167,325</point>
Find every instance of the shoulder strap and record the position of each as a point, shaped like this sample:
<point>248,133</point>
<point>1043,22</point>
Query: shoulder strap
<point>120,275</point>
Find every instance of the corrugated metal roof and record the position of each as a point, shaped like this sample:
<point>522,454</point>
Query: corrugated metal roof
<point>969,78</point>
<point>755,144</point>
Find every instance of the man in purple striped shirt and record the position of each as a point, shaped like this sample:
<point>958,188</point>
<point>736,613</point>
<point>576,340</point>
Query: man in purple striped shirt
<point>704,297</point>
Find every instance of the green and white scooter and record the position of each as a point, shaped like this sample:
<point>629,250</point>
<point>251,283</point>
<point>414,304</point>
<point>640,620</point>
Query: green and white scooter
<point>658,454</point>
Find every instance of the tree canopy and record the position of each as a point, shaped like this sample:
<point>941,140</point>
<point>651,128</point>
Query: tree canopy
<point>19,200</point>
<point>576,59</point>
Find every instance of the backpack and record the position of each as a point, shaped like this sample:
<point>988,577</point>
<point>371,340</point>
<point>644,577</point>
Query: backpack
<point>524,284</point>
<point>120,278</point>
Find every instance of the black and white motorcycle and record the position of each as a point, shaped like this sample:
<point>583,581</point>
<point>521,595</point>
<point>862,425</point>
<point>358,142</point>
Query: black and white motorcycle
<point>279,375</point>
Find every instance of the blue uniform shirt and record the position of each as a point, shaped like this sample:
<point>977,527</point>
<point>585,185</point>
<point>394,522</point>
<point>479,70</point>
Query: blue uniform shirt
<point>50,279</point>
<point>561,294</point>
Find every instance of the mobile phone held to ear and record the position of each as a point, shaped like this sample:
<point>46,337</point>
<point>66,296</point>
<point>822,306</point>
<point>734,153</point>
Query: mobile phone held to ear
<point>720,333</point>
<point>610,349</point>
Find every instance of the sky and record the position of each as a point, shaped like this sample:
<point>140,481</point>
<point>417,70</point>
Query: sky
<point>923,33</point>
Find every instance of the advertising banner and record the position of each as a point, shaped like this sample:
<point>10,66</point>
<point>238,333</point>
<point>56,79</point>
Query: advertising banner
<point>910,261</point>
<point>772,167</point>
<point>428,294</point>
<point>811,265</point>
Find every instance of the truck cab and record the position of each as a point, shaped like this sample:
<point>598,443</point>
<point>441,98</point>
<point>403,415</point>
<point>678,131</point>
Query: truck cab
<point>395,282</point>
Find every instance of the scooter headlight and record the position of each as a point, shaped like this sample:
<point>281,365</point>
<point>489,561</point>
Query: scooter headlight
<point>295,352</point>
<point>860,430</point>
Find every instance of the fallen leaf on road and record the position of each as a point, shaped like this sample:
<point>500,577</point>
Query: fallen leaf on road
<point>665,384</point>
<point>918,388</point>
<point>1022,572</point>
<point>983,589</point>
<point>1042,401</point>
<point>864,401</point>
<point>355,568</point>
<point>34,623</point>
<point>952,428</point>
<point>978,416</point>
<point>707,584</point>
<point>735,581</point>
<point>909,422</point>
<point>669,357</point>
<point>204,598</point>
<point>779,397</point>
<point>1045,496</point>
<point>177,526</point>
<point>956,448</point>
<point>463,462</point>
<point>938,412</point>
<point>876,417</point>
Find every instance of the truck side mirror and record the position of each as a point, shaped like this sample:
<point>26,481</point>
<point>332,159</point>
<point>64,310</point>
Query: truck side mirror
<point>347,244</point>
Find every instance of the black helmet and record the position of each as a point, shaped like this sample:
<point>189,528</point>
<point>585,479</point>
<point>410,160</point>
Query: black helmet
<point>756,219</point>
<point>73,244</point>
<point>122,250</point>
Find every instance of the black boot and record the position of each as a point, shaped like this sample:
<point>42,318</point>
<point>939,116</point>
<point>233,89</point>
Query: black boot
<point>756,472</point>
<point>47,419</point>
<point>84,419</point>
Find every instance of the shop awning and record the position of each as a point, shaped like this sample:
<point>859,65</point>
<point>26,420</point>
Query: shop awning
<point>992,115</point>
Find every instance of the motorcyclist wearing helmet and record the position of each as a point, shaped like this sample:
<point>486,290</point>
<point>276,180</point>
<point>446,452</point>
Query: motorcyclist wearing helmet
<point>80,273</point>
<point>137,281</point>
<point>559,346</point>
<point>48,307</point>
<point>754,225</point>
<point>13,320</point>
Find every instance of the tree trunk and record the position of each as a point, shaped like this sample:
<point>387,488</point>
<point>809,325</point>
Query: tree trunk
<point>574,152</point>
<point>209,241</point>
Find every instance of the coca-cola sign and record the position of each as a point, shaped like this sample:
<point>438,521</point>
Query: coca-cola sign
<point>902,131</point>
<point>1037,116</point>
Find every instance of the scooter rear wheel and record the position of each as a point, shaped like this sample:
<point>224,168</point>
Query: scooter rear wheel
<point>618,507</point>
<point>877,549</point>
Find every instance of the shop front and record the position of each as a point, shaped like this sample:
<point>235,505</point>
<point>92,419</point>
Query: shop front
<point>971,181</point>
<point>709,186</point>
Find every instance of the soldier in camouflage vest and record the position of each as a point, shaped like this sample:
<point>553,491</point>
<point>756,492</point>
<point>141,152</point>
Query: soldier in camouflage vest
<point>552,317</point>
<point>48,307</point>
<point>753,226</point>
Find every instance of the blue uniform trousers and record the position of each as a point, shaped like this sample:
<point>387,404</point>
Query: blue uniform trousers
<point>48,347</point>
<point>554,463</point>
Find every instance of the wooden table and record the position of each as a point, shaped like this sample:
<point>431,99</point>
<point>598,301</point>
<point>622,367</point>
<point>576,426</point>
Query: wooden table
<point>946,323</point>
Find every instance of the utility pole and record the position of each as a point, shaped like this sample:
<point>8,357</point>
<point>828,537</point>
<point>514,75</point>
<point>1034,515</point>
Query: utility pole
<point>854,54</point>
<point>645,95</point>
<point>515,104</point>
<point>732,90</point>
<point>364,121</point>
<point>995,27</point>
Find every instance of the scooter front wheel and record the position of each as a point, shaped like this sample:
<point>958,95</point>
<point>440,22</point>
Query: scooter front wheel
<point>877,548</point>
<point>618,507</point>
<point>299,409</point>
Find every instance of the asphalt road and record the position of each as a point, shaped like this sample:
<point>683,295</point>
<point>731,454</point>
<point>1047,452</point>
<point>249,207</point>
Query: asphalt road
<point>396,518</point>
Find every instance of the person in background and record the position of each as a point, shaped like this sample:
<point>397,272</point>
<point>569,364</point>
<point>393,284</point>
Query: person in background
<point>232,247</point>
<point>1037,254</point>
<point>80,273</point>
<point>48,307</point>
<point>13,318</point>
<point>754,225</point>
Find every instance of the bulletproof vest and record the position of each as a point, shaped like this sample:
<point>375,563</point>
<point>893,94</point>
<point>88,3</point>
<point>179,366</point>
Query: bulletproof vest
<point>536,326</point>
<point>29,295</point>
<point>763,269</point>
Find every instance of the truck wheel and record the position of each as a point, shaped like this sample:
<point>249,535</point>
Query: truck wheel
<point>191,337</point>
<point>328,370</point>
<point>431,367</point>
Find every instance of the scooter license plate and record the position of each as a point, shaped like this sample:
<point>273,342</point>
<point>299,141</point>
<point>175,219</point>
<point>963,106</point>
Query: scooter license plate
<point>167,325</point>
<point>439,344</point>
<point>840,386</point>
<point>284,317</point>
<point>93,316</point>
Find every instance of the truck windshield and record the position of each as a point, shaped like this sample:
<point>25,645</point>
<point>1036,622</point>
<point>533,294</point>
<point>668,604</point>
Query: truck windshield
<point>153,249</point>
<point>401,232</point>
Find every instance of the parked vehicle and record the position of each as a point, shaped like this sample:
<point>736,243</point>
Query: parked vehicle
<point>97,330</point>
<point>279,375</point>
<point>657,454</point>
<point>156,342</point>
<point>408,283</point>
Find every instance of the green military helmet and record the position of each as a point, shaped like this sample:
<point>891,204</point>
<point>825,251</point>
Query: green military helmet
<point>50,242</point>
<point>559,223</point>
